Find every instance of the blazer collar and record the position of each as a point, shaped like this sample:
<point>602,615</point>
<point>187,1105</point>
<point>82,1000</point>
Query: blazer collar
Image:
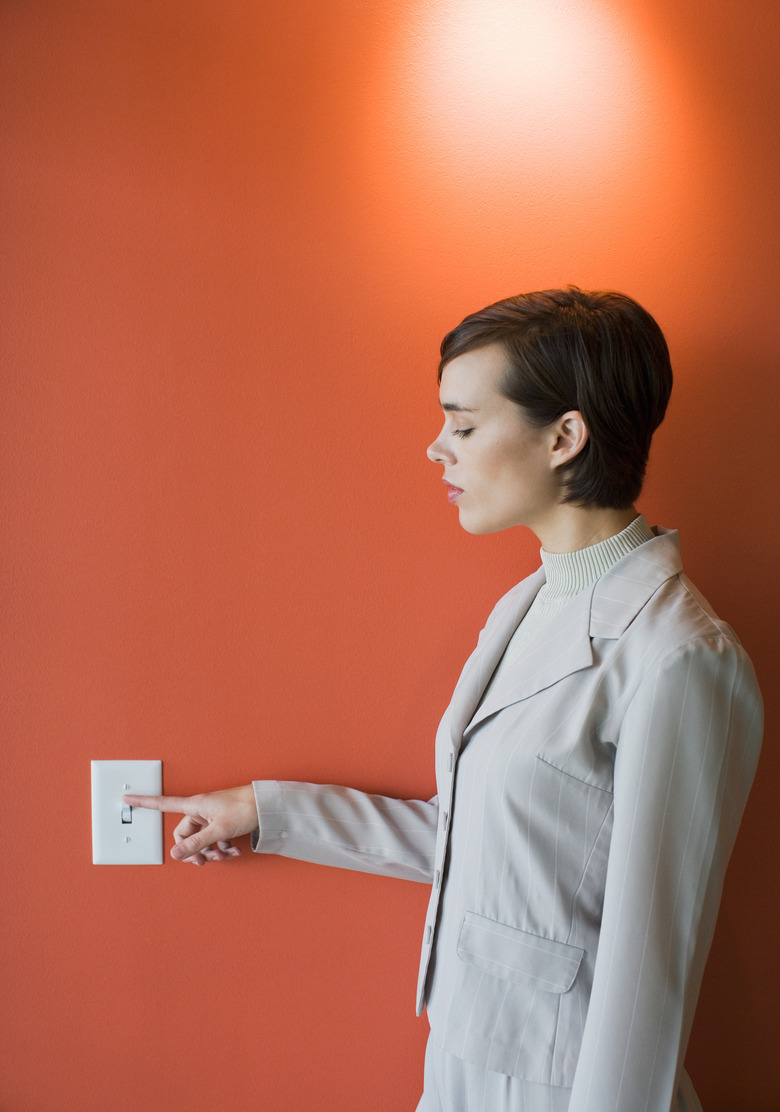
<point>620,594</point>
<point>604,609</point>
<point>482,663</point>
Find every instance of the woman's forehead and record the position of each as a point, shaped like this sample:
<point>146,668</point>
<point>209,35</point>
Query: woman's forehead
<point>470,381</point>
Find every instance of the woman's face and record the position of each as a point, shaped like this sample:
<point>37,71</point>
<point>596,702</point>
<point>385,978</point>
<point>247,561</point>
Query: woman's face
<point>498,469</point>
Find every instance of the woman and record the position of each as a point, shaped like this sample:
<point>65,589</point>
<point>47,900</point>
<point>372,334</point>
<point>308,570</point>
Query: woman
<point>594,762</point>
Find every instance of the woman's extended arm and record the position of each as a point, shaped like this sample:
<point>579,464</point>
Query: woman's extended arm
<point>321,823</point>
<point>350,829</point>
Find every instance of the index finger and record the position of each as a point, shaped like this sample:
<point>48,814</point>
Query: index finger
<point>181,804</point>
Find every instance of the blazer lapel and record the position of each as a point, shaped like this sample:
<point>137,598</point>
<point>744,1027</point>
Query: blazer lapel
<point>561,648</point>
<point>482,663</point>
<point>604,609</point>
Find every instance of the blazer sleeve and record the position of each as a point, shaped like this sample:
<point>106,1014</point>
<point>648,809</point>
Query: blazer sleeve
<point>685,760</point>
<point>331,825</point>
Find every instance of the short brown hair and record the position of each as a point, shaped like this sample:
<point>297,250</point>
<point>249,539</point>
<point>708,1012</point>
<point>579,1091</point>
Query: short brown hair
<point>596,352</point>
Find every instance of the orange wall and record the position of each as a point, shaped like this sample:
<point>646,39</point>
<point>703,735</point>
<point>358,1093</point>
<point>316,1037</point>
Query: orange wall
<point>233,235</point>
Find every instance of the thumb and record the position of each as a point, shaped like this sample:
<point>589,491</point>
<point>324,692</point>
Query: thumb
<point>192,845</point>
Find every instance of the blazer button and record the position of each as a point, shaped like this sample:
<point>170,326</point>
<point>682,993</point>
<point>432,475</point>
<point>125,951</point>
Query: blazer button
<point>444,817</point>
<point>451,763</point>
<point>428,935</point>
<point>437,881</point>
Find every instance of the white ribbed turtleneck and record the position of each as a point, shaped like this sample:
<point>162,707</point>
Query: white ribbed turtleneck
<point>568,573</point>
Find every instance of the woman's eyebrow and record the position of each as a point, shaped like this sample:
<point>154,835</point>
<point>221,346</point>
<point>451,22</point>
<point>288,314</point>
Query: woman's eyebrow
<point>454,407</point>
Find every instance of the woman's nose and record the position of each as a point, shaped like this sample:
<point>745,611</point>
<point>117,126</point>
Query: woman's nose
<point>435,452</point>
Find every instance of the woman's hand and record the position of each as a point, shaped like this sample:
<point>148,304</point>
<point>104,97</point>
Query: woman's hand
<point>210,821</point>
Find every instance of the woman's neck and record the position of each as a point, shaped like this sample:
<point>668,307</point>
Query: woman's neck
<point>570,528</point>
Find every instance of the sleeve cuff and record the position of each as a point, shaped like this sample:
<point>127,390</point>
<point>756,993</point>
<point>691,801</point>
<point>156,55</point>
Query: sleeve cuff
<point>269,835</point>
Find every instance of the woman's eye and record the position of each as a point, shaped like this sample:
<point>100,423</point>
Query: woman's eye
<point>462,432</point>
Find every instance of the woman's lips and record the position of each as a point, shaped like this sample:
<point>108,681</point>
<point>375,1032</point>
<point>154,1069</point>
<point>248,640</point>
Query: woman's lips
<point>453,492</point>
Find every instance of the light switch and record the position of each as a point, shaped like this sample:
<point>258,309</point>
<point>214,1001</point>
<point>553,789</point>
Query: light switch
<point>124,835</point>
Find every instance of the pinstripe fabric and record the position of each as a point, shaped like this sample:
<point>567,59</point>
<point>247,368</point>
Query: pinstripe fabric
<point>566,574</point>
<point>586,810</point>
<point>452,1085</point>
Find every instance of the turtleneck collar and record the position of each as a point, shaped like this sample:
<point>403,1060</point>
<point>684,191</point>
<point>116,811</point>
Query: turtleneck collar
<point>567,573</point>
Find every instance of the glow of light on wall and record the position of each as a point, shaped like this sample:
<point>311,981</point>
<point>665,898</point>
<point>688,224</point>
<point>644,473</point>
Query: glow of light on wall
<point>553,76</point>
<point>503,111</point>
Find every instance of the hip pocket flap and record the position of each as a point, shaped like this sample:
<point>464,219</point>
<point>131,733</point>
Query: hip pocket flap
<point>518,956</point>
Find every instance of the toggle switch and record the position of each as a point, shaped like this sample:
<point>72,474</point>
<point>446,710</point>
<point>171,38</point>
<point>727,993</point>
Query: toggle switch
<point>121,834</point>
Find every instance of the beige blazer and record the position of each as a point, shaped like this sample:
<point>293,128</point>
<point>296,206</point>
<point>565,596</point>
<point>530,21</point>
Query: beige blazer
<point>576,848</point>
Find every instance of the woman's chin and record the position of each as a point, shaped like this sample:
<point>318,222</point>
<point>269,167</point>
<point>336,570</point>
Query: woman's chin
<point>477,526</point>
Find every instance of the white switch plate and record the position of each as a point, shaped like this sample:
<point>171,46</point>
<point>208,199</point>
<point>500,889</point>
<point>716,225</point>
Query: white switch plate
<point>124,835</point>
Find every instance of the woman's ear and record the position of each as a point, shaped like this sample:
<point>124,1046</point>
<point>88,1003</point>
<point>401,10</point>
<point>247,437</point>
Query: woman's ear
<point>570,436</point>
